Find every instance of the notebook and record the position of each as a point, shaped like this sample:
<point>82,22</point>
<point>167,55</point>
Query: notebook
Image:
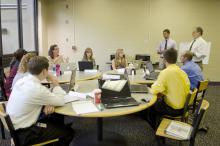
<point>179,130</point>
<point>83,107</point>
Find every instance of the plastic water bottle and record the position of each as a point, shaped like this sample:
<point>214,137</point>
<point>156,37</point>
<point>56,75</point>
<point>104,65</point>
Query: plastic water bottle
<point>57,70</point>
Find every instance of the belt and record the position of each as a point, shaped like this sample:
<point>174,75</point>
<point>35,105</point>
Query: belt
<point>198,61</point>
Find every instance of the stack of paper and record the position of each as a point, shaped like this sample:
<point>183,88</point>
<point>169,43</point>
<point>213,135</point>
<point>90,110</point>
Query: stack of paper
<point>83,107</point>
<point>110,77</point>
<point>90,71</point>
<point>114,85</point>
<point>74,96</point>
<point>179,130</point>
<point>121,71</point>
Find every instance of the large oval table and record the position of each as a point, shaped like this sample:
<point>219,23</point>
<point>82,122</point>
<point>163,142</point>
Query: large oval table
<point>104,138</point>
<point>80,76</point>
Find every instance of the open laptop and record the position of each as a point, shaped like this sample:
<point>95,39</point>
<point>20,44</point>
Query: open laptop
<point>136,88</point>
<point>153,75</point>
<point>113,99</point>
<point>85,65</point>
<point>67,66</point>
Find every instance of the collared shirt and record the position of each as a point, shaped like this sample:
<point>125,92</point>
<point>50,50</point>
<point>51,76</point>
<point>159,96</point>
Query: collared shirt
<point>174,84</point>
<point>194,73</point>
<point>198,48</point>
<point>170,44</point>
<point>27,99</point>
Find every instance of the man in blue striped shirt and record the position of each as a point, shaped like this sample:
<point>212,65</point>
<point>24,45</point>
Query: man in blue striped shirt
<point>192,69</point>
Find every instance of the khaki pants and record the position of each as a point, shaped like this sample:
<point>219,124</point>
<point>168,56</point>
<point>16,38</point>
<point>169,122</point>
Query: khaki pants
<point>161,63</point>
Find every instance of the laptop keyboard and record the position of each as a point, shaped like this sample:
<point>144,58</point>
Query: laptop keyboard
<point>118,100</point>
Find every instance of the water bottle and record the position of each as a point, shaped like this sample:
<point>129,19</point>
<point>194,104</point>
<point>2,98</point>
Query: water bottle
<point>57,70</point>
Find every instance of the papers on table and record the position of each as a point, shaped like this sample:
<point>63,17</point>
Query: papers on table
<point>121,71</point>
<point>74,96</point>
<point>83,107</point>
<point>110,77</point>
<point>179,130</point>
<point>114,85</point>
<point>90,71</point>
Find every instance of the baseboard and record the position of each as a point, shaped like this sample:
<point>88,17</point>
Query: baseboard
<point>214,83</point>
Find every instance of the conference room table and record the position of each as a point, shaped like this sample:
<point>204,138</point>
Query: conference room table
<point>80,76</point>
<point>138,78</point>
<point>101,137</point>
<point>84,76</point>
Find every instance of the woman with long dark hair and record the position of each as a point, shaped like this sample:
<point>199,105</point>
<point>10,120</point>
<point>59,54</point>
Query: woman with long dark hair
<point>54,55</point>
<point>13,69</point>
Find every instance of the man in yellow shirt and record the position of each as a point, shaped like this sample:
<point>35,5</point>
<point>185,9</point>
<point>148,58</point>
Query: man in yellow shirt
<point>171,87</point>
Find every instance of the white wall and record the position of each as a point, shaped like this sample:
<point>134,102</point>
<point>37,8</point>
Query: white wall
<point>135,25</point>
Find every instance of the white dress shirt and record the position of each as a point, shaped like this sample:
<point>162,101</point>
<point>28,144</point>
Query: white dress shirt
<point>170,44</point>
<point>198,48</point>
<point>27,99</point>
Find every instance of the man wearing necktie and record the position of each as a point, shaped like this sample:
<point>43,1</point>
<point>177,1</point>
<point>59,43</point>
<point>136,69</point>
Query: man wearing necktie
<point>198,46</point>
<point>165,44</point>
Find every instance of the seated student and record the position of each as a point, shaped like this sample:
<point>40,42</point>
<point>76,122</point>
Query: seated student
<point>54,56</point>
<point>13,70</point>
<point>120,60</point>
<point>22,69</point>
<point>25,104</point>
<point>88,56</point>
<point>192,69</point>
<point>171,88</point>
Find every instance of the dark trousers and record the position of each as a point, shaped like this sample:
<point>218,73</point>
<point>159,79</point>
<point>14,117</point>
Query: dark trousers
<point>154,114</point>
<point>37,134</point>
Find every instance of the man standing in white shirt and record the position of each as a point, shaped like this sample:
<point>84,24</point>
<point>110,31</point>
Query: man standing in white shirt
<point>165,44</point>
<point>28,98</point>
<point>198,46</point>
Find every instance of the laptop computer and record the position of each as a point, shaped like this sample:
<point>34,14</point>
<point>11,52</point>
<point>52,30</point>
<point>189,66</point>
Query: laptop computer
<point>113,99</point>
<point>153,75</point>
<point>136,88</point>
<point>85,65</point>
<point>67,66</point>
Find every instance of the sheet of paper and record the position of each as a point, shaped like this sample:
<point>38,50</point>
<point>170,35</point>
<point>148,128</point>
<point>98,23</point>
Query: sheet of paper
<point>110,77</point>
<point>74,96</point>
<point>90,71</point>
<point>121,71</point>
<point>83,107</point>
<point>114,85</point>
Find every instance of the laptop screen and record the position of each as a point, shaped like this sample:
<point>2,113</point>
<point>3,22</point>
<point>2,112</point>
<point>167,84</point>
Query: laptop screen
<point>85,65</point>
<point>125,92</point>
<point>150,66</point>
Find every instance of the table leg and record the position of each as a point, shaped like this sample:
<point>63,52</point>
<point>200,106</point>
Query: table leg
<point>100,137</point>
<point>99,129</point>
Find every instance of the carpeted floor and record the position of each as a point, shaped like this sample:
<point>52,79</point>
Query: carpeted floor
<point>137,132</point>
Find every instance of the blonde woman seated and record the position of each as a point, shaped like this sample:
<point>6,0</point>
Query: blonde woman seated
<point>88,56</point>
<point>120,60</point>
<point>54,56</point>
<point>23,69</point>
